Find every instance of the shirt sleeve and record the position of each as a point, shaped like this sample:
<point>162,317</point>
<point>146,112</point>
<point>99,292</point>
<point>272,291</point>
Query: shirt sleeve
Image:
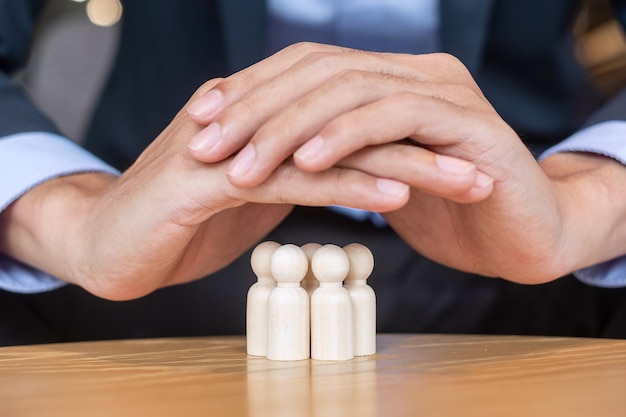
<point>360,215</point>
<point>27,160</point>
<point>608,139</point>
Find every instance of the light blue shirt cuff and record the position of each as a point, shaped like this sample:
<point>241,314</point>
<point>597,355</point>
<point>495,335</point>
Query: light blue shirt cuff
<point>19,278</point>
<point>27,160</point>
<point>30,159</point>
<point>608,139</point>
<point>361,215</point>
<point>611,274</point>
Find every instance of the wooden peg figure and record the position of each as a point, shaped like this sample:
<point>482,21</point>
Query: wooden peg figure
<point>257,299</point>
<point>310,283</point>
<point>331,310</point>
<point>288,325</point>
<point>363,299</point>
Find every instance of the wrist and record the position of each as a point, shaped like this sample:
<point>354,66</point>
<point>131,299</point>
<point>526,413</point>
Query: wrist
<point>46,226</point>
<point>592,208</point>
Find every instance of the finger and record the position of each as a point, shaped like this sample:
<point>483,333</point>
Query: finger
<point>248,99</point>
<point>201,91</point>
<point>324,58</point>
<point>347,112</point>
<point>336,186</point>
<point>206,106</point>
<point>252,97</point>
<point>435,174</point>
<point>432,120</point>
<point>281,134</point>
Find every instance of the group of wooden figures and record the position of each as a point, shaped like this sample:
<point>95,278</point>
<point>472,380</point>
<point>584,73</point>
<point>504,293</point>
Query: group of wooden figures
<point>311,302</point>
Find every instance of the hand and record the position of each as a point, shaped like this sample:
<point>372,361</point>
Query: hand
<point>168,219</point>
<point>345,100</point>
<point>334,107</point>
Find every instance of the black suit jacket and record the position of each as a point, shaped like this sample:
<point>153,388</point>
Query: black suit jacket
<point>169,47</point>
<point>520,52</point>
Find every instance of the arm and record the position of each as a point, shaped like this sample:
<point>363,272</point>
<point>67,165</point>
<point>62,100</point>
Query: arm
<point>602,141</point>
<point>31,152</point>
<point>591,186</point>
<point>167,220</point>
<point>479,200</point>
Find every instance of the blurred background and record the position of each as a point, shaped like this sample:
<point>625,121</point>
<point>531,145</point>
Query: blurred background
<point>74,44</point>
<point>76,39</point>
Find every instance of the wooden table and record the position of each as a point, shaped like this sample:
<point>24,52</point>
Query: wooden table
<point>412,375</point>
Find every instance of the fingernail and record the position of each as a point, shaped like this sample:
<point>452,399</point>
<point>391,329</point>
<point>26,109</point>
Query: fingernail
<point>207,138</point>
<point>311,149</point>
<point>242,162</point>
<point>207,104</point>
<point>483,180</point>
<point>453,165</point>
<point>391,187</point>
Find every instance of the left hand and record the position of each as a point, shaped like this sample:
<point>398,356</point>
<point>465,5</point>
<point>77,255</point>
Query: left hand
<point>168,219</point>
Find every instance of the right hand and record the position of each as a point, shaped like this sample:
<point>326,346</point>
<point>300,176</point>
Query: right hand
<point>168,219</point>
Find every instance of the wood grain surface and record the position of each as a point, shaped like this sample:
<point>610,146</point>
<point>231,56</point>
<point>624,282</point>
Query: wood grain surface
<point>411,375</point>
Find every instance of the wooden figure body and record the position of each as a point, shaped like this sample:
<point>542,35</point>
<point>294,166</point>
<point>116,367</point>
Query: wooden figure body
<point>257,299</point>
<point>363,299</point>
<point>288,326</point>
<point>331,309</point>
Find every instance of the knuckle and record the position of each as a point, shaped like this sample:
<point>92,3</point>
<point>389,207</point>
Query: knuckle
<point>340,128</point>
<point>244,109</point>
<point>344,184</point>
<point>278,129</point>
<point>352,77</point>
<point>406,98</point>
<point>207,86</point>
<point>242,81</point>
<point>448,60</point>
<point>323,60</point>
<point>280,188</point>
<point>280,195</point>
<point>302,48</point>
<point>457,68</point>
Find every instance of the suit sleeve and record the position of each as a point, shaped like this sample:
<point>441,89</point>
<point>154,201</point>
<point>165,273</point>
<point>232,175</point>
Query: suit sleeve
<point>17,112</point>
<point>31,149</point>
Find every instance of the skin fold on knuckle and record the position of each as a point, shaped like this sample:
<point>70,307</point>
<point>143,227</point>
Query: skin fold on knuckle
<point>302,49</point>
<point>358,189</point>
<point>206,87</point>
<point>240,83</point>
<point>326,62</point>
